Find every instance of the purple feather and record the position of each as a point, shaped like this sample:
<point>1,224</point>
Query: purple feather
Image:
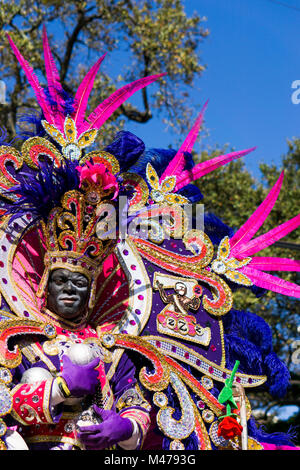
<point>40,192</point>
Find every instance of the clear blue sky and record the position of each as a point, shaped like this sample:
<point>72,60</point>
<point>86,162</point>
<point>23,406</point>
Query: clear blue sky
<point>252,56</point>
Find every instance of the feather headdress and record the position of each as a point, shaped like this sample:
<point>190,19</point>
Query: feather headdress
<point>235,255</point>
<point>75,129</point>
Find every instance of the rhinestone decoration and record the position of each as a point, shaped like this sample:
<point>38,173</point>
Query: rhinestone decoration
<point>162,192</point>
<point>208,416</point>
<point>108,340</point>
<point>157,196</point>
<point>35,398</point>
<point>5,400</point>
<point>50,330</point>
<point>160,399</point>
<point>176,445</point>
<point>219,267</point>
<point>182,428</point>
<point>169,348</point>
<point>72,151</point>
<point>131,397</point>
<point>93,197</point>
<point>5,375</point>
<point>228,266</point>
<point>2,427</point>
<point>207,382</point>
<point>201,404</point>
<point>69,427</point>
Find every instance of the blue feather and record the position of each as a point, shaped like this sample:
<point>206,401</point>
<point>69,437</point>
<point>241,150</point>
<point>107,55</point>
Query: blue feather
<point>247,353</point>
<point>215,228</point>
<point>40,192</point>
<point>4,137</point>
<point>36,120</point>
<point>250,326</point>
<point>278,375</point>
<point>192,192</point>
<point>127,148</point>
<point>248,338</point>
<point>158,158</point>
<point>68,105</point>
<point>277,438</point>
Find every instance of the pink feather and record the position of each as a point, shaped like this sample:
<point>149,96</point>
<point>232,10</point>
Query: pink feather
<point>267,239</point>
<point>270,282</point>
<point>83,92</point>
<point>256,220</point>
<point>108,106</point>
<point>208,166</point>
<point>176,165</point>
<point>53,80</point>
<point>33,80</point>
<point>265,263</point>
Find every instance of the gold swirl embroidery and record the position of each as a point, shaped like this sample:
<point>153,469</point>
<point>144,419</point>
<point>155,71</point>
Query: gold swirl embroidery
<point>28,389</point>
<point>32,413</point>
<point>100,156</point>
<point>36,146</point>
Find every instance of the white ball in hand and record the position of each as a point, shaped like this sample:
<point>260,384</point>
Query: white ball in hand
<point>35,374</point>
<point>81,354</point>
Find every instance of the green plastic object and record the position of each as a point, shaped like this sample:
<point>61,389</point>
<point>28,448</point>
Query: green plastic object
<point>226,394</point>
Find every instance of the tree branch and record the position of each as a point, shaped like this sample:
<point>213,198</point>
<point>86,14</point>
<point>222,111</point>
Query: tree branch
<point>135,115</point>
<point>82,22</point>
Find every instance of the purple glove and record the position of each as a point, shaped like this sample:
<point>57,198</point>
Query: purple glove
<point>80,380</point>
<point>112,430</point>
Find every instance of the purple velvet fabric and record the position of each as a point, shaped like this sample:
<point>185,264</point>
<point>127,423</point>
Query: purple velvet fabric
<point>112,430</point>
<point>81,380</point>
<point>213,352</point>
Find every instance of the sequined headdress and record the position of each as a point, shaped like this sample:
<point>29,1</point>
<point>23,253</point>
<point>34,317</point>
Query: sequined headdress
<point>72,235</point>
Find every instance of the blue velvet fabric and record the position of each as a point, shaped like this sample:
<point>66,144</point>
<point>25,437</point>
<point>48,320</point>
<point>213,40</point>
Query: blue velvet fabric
<point>127,148</point>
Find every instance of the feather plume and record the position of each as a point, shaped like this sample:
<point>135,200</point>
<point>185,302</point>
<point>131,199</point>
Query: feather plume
<point>243,246</point>
<point>83,92</point>
<point>53,79</point>
<point>40,192</point>
<point>33,80</point>
<point>256,220</point>
<point>176,165</point>
<point>208,166</point>
<point>267,239</point>
<point>265,263</point>
<point>269,282</point>
<point>110,104</point>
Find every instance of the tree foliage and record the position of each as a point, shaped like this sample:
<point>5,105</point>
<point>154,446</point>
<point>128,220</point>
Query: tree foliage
<point>154,36</point>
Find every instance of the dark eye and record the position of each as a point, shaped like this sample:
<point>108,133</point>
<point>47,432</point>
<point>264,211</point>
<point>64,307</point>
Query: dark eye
<point>81,284</point>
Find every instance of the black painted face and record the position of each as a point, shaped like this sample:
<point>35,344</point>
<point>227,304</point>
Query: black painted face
<point>67,293</point>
